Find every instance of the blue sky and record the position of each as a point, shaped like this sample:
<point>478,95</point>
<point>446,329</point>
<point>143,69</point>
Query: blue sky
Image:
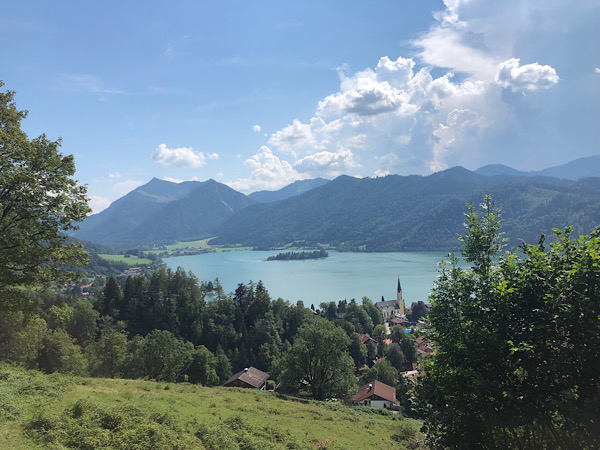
<point>260,94</point>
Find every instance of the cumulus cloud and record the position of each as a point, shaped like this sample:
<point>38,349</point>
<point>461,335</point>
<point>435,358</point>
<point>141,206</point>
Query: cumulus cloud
<point>529,77</point>
<point>444,106</point>
<point>213,156</point>
<point>178,157</point>
<point>267,172</point>
<point>327,163</point>
<point>256,128</point>
<point>298,136</point>
<point>460,124</point>
<point>114,175</point>
<point>98,203</point>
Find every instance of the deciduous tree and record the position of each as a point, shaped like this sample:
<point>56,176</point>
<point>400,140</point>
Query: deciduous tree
<point>39,203</point>
<point>319,359</point>
<point>517,341</point>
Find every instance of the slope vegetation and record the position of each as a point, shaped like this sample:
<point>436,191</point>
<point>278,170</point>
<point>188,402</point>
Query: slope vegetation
<point>43,411</point>
<point>413,212</point>
<point>163,212</point>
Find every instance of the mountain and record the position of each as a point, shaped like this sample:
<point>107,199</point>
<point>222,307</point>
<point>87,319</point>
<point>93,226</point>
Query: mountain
<point>161,212</point>
<point>297,187</point>
<point>574,170</point>
<point>413,212</point>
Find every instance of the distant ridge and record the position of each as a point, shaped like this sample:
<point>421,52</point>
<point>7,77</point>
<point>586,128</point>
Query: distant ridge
<point>296,188</point>
<point>162,212</point>
<point>414,213</point>
<point>575,170</point>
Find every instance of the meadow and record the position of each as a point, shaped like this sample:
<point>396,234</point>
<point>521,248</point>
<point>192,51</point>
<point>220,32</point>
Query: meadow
<point>59,411</point>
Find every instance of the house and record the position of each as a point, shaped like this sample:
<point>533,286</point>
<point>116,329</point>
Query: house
<point>375,394</point>
<point>250,378</point>
<point>390,308</point>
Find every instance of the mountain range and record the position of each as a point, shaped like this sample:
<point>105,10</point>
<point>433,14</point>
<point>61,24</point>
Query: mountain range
<point>374,214</point>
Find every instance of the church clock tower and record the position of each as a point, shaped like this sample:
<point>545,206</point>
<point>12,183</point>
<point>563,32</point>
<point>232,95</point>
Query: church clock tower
<point>399,298</point>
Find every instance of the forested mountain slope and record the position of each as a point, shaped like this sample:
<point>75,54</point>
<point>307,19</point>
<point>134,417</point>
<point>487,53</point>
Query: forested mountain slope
<point>413,212</point>
<point>162,211</point>
<point>297,187</point>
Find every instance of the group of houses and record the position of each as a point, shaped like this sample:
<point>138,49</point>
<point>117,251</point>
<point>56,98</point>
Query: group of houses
<point>375,394</point>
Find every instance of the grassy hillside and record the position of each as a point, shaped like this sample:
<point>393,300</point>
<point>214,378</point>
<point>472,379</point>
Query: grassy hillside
<point>57,411</point>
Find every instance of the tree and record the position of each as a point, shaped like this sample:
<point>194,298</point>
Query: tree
<point>517,342</point>
<point>382,371</point>
<point>395,356</point>
<point>319,358</point>
<point>39,203</point>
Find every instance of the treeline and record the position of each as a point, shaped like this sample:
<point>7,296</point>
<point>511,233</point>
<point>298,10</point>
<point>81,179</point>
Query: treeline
<point>322,253</point>
<point>161,327</point>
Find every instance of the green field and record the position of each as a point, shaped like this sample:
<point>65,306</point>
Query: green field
<point>131,260</point>
<point>58,411</point>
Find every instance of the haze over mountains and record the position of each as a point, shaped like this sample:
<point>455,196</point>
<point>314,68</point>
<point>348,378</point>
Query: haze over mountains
<point>374,214</point>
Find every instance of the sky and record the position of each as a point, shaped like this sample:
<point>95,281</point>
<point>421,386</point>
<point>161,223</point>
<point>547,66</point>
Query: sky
<point>258,94</point>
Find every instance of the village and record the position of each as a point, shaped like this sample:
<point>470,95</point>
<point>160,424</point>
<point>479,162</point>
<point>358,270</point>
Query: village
<point>375,394</point>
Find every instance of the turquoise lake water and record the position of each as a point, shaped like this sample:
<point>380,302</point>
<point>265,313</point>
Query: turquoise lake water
<point>340,276</point>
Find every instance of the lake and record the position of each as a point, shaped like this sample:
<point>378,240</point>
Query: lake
<point>340,276</point>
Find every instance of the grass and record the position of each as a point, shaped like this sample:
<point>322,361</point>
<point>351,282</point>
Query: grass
<point>131,260</point>
<point>57,411</point>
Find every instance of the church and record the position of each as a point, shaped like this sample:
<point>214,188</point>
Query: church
<point>390,308</point>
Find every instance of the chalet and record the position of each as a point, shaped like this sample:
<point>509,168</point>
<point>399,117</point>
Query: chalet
<point>250,378</point>
<point>375,394</point>
<point>390,308</point>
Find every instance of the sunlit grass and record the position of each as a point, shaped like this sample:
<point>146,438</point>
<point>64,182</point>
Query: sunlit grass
<point>39,410</point>
<point>130,260</point>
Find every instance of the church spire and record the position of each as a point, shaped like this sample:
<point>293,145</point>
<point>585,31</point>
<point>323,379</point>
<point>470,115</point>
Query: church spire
<point>400,299</point>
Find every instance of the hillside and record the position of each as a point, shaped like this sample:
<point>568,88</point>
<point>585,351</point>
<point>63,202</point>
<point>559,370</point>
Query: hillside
<point>39,411</point>
<point>573,170</point>
<point>414,212</point>
<point>163,212</point>
<point>297,187</point>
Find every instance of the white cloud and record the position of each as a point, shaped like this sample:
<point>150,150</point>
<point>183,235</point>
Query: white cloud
<point>307,137</point>
<point>98,203</point>
<point>529,77</point>
<point>124,187</point>
<point>381,173</point>
<point>114,175</point>
<point>327,163</point>
<point>178,157</point>
<point>267,171</point>
<point>213,156</point>
<point>461,124</point>
<point>179,180</point>
<point>597,70</point>
<point>256,128</point>
<point>444,106</point>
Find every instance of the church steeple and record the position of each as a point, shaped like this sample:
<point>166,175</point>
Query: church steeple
<point>400,299</point>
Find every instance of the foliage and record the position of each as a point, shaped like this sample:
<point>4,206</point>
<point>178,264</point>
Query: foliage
<point>517,342</point>
<point>55,411</point>
<point>319,358</point>
<point>293,256</point>
<point>382,371</point>
<point>39,202</point>
<point>412,213</point>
